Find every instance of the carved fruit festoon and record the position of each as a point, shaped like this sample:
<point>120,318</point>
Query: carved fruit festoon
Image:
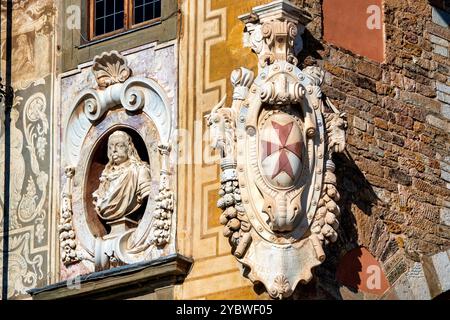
<point>278,189</point>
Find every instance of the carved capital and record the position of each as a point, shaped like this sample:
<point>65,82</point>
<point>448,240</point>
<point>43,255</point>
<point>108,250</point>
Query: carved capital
<point>273,31</point>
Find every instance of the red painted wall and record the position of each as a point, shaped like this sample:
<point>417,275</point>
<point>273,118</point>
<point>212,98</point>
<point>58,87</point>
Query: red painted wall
<point>345,25</point>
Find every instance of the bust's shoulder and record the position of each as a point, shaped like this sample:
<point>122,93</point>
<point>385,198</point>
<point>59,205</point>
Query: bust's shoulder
<point>143,167</point>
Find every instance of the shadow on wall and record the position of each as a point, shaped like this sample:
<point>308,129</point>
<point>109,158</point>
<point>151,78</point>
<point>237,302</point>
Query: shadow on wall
<point>311,51</point>
<point>355,190</point>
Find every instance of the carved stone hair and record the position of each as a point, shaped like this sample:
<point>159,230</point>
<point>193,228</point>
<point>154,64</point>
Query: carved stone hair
<point>132,152</point>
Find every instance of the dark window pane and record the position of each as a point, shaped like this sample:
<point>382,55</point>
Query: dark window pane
<point>99,8</point>
<point>119,5</point>
<point>109,6</point>
<point>99,26</point>
<point>109,16</point>
<point>138,16</point>
<point>148,11</point>
<point>157,9</point>
<point>145,10</point>
<point>109,24</point>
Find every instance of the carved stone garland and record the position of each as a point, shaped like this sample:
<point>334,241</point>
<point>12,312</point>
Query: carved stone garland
<point>66,231</point>
<point>278,192</point>
<point>116,87</point>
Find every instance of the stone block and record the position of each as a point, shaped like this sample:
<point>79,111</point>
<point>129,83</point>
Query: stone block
<point>445,216</point>
<point>359,123</point>
<point>443,97</point>
<point>445,110</point>
<point>443,51</point>
<point>420,101</point>
<point>445,175</point>
<point>438,40</point>
<point>441,264</point>
<point>369,69</point>
<point>418,283</point>
<point>442,87</point>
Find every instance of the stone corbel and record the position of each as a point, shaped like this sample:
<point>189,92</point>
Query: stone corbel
<point>278,189</point>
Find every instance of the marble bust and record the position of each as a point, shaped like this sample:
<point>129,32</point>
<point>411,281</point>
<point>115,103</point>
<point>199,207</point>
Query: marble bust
<point>124,183</point>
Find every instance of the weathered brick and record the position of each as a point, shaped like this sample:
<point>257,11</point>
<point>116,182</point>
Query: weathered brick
<point>368,96</point>
<point>359,123</point>
<point>398,140</point>
<point>360,81</point>
<point>440,50</point>
<point>426,91</point>
<point>442,87</point>
<point>336,71</point>
<point>411,37</point>
<point>404,121</point>
<point>369,69</point>
<point>443,97</point>
<point>420,101</point>
<point>400,177</point>
<point>437,122</point>
<point>380,123</point>
<point>398,133</point>
<point>381,182</point>
<point>383,135</point>
<point>439,31</point>
<point>438,40</point>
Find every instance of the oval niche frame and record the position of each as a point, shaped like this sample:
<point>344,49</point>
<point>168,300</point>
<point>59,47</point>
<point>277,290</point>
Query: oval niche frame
<point>138,102</point>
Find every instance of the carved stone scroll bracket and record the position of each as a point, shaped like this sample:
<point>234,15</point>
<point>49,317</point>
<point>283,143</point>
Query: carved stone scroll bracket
<point>66,232</point>
<point>134,95</point>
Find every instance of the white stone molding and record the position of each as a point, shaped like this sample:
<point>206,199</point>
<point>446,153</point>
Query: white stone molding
<point>278,192</point>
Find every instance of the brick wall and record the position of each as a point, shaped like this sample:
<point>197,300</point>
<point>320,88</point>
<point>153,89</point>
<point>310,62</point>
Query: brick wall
<point>394,179</point>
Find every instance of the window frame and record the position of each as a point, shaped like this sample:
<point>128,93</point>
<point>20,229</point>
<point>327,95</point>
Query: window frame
<point>128,17</point>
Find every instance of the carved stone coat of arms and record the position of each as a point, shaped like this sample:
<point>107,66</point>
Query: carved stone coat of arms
<point>278,193</point>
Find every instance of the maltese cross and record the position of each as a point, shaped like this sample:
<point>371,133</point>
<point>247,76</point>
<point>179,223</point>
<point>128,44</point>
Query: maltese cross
<point>270,147</point>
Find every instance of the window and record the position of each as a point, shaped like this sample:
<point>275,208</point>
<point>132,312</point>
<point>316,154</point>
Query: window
<point>109,17</point>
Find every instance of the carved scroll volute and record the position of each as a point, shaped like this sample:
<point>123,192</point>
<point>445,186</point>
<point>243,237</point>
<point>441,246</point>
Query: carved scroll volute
<point>278,189</point>
<point>111,71</point>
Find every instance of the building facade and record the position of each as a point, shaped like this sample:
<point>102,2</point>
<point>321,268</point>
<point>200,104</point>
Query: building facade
<point>132,172</point>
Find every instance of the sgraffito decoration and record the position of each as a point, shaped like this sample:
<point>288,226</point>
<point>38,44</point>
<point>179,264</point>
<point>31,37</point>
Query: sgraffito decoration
<point>278,189</point>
